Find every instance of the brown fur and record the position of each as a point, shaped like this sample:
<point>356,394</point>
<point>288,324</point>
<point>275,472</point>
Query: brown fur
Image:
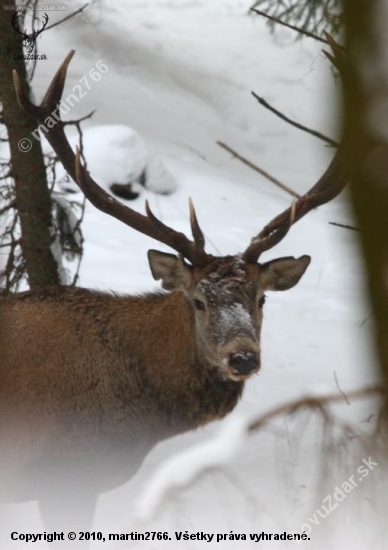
<point>90,381</point>
<point>93,383</point>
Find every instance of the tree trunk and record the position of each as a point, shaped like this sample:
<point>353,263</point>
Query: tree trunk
<point>27,168</point>
<point>366,133</point>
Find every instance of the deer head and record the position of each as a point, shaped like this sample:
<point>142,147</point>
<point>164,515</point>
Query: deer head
<point>29,39</point>
<point>224,295</point>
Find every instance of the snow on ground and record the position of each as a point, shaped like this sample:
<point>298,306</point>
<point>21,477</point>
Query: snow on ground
<point>180,73</point>
<point>115,154</point>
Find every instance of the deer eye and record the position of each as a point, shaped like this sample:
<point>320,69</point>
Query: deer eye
<point>199,304</point>
<point>261,301</point>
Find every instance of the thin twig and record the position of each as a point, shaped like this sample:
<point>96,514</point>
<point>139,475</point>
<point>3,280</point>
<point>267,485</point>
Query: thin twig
<point>6,176</point>
<point>76,12</point>
<point>339,389</point>
<point>83,206</point>
<point>293,27</point>
<point>7,207</point>
<point>78,120</point>
<point>265,104</point>
<point>344,226</point>
<point>9,244</point>
<point>313,403</point>
<point>336,56</point>
<point>259,170</point>
<point>364,321</point>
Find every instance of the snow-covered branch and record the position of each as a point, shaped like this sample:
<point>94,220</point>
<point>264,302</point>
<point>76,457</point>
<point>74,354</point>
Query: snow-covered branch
<point>185,467</point>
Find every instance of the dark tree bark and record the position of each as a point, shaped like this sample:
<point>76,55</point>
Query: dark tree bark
<point>366,133</point>
<point>28,170</point>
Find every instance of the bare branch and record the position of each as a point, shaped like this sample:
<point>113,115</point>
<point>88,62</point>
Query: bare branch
<point>74,13</point>
<point>79,120</point>
<point>259,170</point>
<point>7,207</point>
<point>312,402</point>
<point>339,388</point>
<point>265,104</point>
<point>230,439</point>
<point>288,25</point>
<point>336,56</point>
<point>351,227</point>
<point>311,15</point>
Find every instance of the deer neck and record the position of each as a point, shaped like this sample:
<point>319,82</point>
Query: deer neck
<point>187,389</point>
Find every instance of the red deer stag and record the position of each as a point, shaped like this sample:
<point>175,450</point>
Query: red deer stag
<point>90,382</point>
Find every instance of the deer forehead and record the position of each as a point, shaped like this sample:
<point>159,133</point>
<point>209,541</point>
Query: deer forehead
<point>229,280</point>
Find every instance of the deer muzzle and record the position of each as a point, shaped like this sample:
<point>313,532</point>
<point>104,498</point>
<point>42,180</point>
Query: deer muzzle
<point>244,363</point>
<point>241,361</point>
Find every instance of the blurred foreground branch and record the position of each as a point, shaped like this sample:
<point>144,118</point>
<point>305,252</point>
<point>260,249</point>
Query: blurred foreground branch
<point>185,467</point>
<point>366,138</point>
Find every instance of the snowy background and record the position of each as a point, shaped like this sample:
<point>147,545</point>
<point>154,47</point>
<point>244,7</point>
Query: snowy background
<point>181,72</point>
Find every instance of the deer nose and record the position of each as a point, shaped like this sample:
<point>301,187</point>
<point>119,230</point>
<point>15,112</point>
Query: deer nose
<point>244,363</point>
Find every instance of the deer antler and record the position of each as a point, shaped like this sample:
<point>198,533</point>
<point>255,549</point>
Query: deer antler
<point>149,224</point>
<point>35,34</point>
<point>330,184</point>
<point>328,187</point>
<point>17,29</point>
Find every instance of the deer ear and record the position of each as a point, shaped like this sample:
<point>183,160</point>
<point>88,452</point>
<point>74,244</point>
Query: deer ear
<point>283,273</point>
<point>173,271</point>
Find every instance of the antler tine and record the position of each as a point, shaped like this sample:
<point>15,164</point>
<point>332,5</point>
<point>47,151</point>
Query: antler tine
<point>52,96</point>
<point>17,29</point>
<point>197,249</point>
<point>196,231</point>
<point>37,32</point>
<point>149,225</point>
<point>331,183</point>
<point>261,243</point>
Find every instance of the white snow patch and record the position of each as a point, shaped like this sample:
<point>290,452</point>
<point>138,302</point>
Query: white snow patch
<point>70,222</point>
<point>56,250</point>
<point>117,154</point>
<point>235,316</point>
<point>114,154</point>
<point>71,218</point>
<point>157,177</point>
